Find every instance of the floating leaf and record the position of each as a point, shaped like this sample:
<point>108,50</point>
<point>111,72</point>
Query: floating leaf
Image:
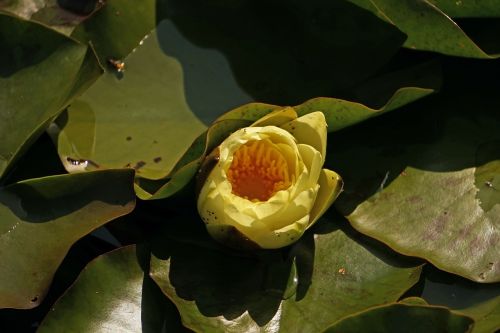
<point>486,315</point>
<point>400,317</point>
<point>118,27</point>
<point>216,290</point>
<point>427,27</point>
<point>436,216</point>
<point>60,15</point>
<point>41,71</point>
<point>154,134</point>
<point>40,220</point>
<point>112,294</point>
<point>441,204</point>
<point>340,114</point>
<point>464,8</point>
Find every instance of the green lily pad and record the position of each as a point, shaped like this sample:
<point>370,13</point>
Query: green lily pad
<point>41,71</point>
<point>118,27</point>
<point>486,315</point>
<point>441,203</point>
<point>40,220</point>
<point>218,290</point>
<point>158,126</point>
<point>340,114</point>
<point>464,8</point>
<point>400,317</point>
<point>62,15</point>
<point>427,27</point>
<point>445,225</point>
<point>112,294</point>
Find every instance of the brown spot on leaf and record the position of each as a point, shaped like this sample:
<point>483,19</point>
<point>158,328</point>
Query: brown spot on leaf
<point>139,165</point>
<point>157,159</point>
<point>414,199</point>
<point>129,138</point>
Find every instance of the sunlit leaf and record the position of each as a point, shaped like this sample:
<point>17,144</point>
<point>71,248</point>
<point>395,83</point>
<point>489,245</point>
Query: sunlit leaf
<point>136,119</point>
<point>112,294</point>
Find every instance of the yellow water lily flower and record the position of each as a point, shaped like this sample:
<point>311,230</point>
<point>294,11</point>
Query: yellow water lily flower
<point>267,185</point>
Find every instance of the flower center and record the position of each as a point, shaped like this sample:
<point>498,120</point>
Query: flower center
<point>258,171</point>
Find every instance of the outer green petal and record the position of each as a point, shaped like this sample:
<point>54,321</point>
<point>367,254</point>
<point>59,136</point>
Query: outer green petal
<point>277,118</point>
<point>330,186</point>
<point>309,129</point>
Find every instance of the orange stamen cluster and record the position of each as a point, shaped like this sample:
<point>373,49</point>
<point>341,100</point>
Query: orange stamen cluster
<point>258,171</point>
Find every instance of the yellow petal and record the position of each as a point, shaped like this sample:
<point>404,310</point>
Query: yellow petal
<point>309,129</point>
<point>312,160</point>
<point>284,236</point>
<point>330,187</point>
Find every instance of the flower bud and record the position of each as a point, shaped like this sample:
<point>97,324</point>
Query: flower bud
<point>267,184</point>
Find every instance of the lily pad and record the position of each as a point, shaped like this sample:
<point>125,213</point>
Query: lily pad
<point>58,210</point>
<point>486,315</point>
<point>117,28</point>
<point>60,15</point>
<point>427,27</point>
<point>112,294</point>
<point>218,290</point>
<point>340,114</point>
<point>41,71</point>
<point>400,317</point>
<point>461,8</point>
<point>158,128</point>
<point>437,188</point>
<point>451,231</point>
